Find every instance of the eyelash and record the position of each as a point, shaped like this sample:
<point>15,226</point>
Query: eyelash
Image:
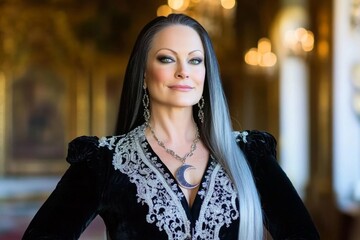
<point>197,60</point>
<point>164,59</point>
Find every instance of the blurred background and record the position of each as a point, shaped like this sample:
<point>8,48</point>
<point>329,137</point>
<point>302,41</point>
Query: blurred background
<point>289,67</point>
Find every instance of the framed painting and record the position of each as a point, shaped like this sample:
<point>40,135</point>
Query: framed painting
<point>41,118</point>
<point>53,88</point>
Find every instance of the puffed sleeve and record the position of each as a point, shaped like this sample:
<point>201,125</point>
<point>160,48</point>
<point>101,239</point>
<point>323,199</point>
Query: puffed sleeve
<point>286,216</point>
<point>75,201</point>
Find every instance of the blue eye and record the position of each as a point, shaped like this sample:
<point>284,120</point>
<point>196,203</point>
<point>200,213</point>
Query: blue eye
<point>165,59</point>
<point>195,61</point>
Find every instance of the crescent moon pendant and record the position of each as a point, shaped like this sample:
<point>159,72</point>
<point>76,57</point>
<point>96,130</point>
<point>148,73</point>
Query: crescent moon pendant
<point>180,176</point>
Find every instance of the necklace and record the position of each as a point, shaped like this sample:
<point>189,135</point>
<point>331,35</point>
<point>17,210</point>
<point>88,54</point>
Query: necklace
<point>180,172</point>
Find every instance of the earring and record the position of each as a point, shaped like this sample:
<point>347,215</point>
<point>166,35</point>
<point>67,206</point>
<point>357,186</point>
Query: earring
<point>146,102</point>
<point>201,106</point>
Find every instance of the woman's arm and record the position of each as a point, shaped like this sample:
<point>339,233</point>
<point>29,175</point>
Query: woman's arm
<point>285,215</point>
<point>75,201</point>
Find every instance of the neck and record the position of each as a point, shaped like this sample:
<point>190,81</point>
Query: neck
<point>174,126</point>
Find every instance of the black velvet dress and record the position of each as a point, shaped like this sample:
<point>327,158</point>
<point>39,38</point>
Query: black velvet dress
<point>122,179</point>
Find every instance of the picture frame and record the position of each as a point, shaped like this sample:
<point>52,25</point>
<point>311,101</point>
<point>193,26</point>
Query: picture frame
<point>41,118</point>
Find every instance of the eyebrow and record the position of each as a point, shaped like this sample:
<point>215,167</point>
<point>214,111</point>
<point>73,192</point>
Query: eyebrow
<point>196,50</point>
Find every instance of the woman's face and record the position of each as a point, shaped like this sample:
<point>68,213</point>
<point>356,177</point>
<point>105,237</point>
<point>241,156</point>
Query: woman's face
<point>175,69</point>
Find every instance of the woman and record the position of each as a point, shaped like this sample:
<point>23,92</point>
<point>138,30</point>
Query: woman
<point>175,169</point>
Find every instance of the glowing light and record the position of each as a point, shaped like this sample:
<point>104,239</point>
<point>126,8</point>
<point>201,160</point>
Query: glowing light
<point>179,5</point>
<point>268,59</point>
<point>299,40</point>
<point>262,55</point>
<point>264,45</point>
<point>300,33</point>
<point>252,57</point>
<point>163,10</point>
<point>228,4</point>
<point>308,41</point>
<point>290,39</point>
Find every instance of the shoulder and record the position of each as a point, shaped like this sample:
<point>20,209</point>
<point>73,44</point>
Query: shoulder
<point>89,148</point>
<point>256,143</point>
<point>82,149</point>
<point>118,143</point>
<point>259,149</point>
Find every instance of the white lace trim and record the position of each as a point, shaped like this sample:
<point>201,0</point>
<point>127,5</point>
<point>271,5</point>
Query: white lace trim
<point>242,135</point>
<point>218,208</point>
<point>164,201</point>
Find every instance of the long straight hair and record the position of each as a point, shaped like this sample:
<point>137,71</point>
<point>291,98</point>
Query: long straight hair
<point>216,131</point>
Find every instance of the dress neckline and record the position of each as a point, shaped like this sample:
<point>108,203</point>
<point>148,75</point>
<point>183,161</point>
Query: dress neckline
<point>169,177</point>
<point>214,206</point>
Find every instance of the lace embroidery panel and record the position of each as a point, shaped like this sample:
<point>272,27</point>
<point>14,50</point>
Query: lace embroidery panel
<point>165,209</point>
<point>205,184</point>
<point>160,167</point>
<point>160,193</point>
<point>219,206</point>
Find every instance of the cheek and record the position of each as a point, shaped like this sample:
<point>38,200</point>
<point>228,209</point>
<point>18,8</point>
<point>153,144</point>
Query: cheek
<point>200,76</point>
<point>157,75</point>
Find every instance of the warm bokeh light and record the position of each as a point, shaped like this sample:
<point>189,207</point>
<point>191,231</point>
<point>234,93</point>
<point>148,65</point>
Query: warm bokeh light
<point>262,55</point>
<point>264,45</point>
<point>163,10</point>
<point>308,41</point>
<point>299,40</point>
<point>217,16</point>
<point>179,5</point>
<point>228,4</point>
<point>300,33</point>
<point>268,59</point>
<point>252,57</point>
<point>175,4</point>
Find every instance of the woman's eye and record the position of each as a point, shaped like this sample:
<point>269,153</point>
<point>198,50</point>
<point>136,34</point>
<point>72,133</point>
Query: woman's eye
<point>195,61</point>
<point>164,59</point>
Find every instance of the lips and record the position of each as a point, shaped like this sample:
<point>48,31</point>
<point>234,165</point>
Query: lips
<point>183,88</point>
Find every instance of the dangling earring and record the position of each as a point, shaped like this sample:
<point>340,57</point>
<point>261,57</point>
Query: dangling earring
<point>201,106</point>
<point>146,102</point>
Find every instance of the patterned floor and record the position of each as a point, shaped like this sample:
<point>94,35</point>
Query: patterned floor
<point>20,198</point>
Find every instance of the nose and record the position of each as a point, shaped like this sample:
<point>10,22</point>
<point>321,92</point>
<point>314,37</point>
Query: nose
<point>182,72</point>
<point>182,75</point>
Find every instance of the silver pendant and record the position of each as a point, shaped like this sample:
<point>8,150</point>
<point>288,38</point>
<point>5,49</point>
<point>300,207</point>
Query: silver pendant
<point>180,176</point>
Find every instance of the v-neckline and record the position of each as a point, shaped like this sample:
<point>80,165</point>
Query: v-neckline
<point>157,188</point>
<point>155,159</point>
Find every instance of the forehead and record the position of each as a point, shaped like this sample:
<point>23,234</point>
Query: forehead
<point>177,37</point>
